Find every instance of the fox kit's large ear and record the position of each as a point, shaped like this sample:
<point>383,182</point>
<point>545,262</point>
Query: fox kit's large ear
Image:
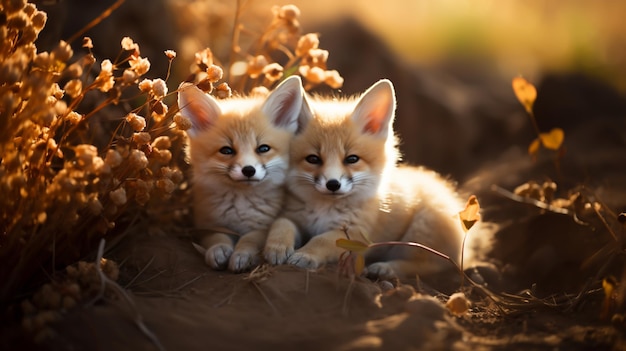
<point>200,108</point>
<point>375,110</point>
<point>306,114</point>
<point>283,106</point>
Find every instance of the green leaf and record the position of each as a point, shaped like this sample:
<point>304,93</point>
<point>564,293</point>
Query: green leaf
<point>352,245</point>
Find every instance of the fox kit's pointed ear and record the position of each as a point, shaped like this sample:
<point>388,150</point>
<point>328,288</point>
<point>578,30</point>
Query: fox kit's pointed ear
<point>200,108</point>
<point>283,106</point>
<point>375,109</point>
<point>306,114</point>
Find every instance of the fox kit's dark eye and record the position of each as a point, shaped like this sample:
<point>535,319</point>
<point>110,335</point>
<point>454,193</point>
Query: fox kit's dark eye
<point>352,159</point>
<point>227,150</point>
<point>263,148</point>
<point>313,159</point>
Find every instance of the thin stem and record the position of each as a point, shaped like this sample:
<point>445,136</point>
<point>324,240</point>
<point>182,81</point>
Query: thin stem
<point>106,13</point>
<point>533,121</point>
<point>234,42</point>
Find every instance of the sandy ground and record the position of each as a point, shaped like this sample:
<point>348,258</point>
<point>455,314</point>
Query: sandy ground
<point>189,307</point>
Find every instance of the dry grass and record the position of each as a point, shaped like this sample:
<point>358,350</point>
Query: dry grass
<point>89,148</point>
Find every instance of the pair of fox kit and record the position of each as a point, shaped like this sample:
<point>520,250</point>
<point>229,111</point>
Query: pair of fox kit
<point>290,174</point>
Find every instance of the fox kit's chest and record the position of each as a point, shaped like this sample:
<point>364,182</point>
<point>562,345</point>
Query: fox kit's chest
<point>241,211</point>
<point>317,217</point>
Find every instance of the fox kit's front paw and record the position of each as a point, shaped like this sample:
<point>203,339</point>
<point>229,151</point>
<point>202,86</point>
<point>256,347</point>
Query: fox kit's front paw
<point>379,270</point>
<point>217,256</point>
<point>305,260</point>
<point>277,253</point>
<point>242,261</point>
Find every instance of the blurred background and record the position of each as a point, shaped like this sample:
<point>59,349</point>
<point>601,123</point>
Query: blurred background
<point>451,62</point>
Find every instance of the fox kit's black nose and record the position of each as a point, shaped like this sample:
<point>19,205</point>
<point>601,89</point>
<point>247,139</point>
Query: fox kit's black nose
<point>248,171</point>
<point>333,185</point>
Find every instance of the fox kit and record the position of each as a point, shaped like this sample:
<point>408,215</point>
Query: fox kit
<point>239,151</point>
<point>344,176</point>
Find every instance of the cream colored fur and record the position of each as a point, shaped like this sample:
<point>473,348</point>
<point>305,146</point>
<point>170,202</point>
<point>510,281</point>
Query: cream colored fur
<point>344,176</point>
<point>239,155</point>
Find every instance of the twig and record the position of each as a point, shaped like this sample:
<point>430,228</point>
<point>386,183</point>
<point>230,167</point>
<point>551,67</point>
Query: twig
<point>540,204</point>
<point>138,317</point>
<point>234,43</point>
<point>266,298</point>
<point>140,272</point>
<point>106,13</point>
<point>306,282</point>
<point>346,297</point>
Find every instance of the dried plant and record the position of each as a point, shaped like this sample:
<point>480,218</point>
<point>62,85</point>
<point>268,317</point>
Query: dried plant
<point>62,191</point>
<point>93,149</point>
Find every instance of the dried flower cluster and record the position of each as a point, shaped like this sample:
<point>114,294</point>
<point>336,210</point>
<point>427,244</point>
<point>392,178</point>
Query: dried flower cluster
<point>281,51</point>
<point>77,164</point>
<point>81,282</point>
<point>60,192</point>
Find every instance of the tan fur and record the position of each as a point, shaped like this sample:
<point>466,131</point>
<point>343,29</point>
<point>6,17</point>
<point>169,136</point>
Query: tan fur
<point>223,195</point>
<point>376,198</point>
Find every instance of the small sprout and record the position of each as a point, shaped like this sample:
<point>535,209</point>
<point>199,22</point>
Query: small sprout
<point>458,304</point>
<point>534,146</point>
<point>553,139</point>
<point>609,286</point>
<point>352,245</point>
<point>525,92</point>
<point>470,214</point>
